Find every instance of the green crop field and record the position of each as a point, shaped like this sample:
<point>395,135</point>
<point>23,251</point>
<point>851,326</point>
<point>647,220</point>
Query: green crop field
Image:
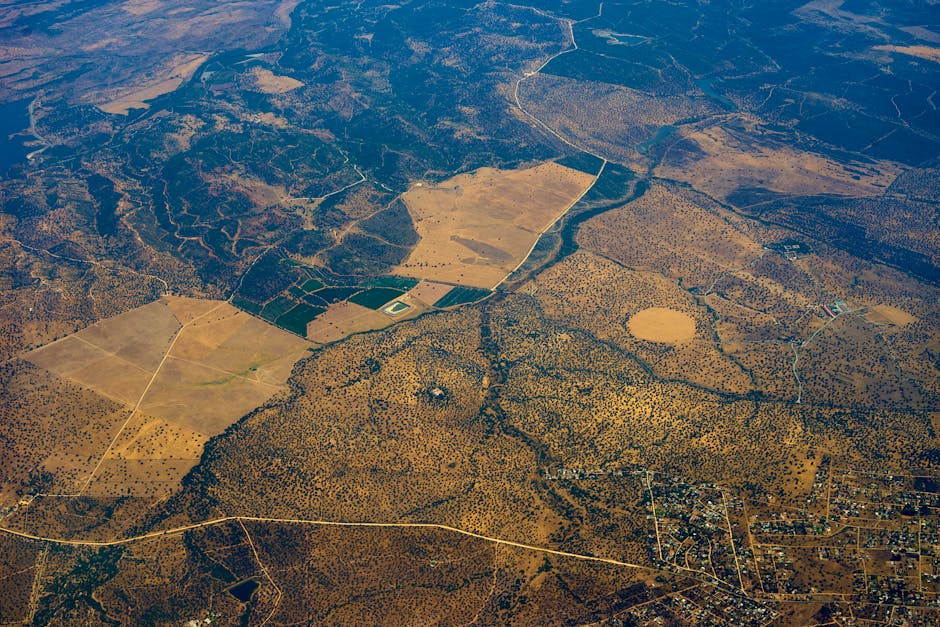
<point>375,297</point>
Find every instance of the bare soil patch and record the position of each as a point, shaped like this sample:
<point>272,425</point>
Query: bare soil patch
<point>921,52</point>
<point>202,399</point>
<point>141,7</point>
<point>891,315</point>
<point>475,228</point>
<point>179,69</point>
<point>344,319</point>
<point>270,83</point>
<point>113,378</point>
<point>138,477</point>
<point>719,160</point>
<point>284,10</point>
<point>223,364</point>
<point>609,119</point>
<point>146,437</point>
<point>428,292</point>
<point>186,309</point>
<point>114,357</point>
<point>149,458</point>
<point>50,424</point>
<point>236,343</point>
<point>140,336</point>
<point>666,326</point>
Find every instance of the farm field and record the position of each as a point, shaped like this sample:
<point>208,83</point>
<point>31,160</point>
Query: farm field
<point>182,370</point>
<point>476,228</point>
<point>347,318</point>
<point>429,292</point>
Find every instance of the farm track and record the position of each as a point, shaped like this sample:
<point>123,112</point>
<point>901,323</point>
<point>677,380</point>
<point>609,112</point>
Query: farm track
<point>153,535</point>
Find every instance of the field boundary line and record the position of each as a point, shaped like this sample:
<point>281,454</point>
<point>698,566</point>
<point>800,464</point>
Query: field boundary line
<point>143,395</point>
<point>554,222</point>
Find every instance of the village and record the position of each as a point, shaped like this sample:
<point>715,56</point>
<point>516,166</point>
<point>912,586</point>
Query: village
<point>865,538</point>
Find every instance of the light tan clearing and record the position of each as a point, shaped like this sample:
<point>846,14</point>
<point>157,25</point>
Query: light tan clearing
<point>475,228</point>
<point>667,326</point>
<point>152,438</point>
<point>135,97</point>
<point>185,369</point>
<point>141,7</point>
<point>236,343</point>
<point>720,160</point>
<point>270,83</point>
<point>73,456</point>
<point>185,310</point>
<point>428,292</point>
<point>581,111</point>
<point>188,126</point>
<point>12,53</point>
<point>270,119</point>
<point>138,477</point>
<point>149,458</point>
<point>891,315</point>
<point>921,52</point>
<point>114,357</point>
<point>139,336</point>
<point>833,9</point>
<point>101,43</point>
<point>922,33</point>
<point>200,398</point>
<point>284,10</point>
<point>343,319</point>
<point>664,231</point>
<point>113,378</point>
<point>260,193</point>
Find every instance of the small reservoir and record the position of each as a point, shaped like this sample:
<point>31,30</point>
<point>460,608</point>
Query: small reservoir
<point>244,590</point>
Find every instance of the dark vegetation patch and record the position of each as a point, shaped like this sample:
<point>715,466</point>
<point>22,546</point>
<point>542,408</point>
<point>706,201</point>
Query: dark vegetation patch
<point>362,254</point>
<point>393,225</point>
<point>277,308</point>
<point>614,184</point>
<point>311,285</point>
<point>306,242</point>
<point>14,117</point>
<point>375,297</point>
<point>336,294</point>
<point>461,295</point>
<point>74,586</point>
<point>583,162</point>
<point>246,305</point>
<point>586,66</point>
<point>268,277</point>
<point>403,283</point>
<point>926,484</point>
<point>244,590</point>
<point>297,318</point>
<point>102,190</point>
<point>821,219</point>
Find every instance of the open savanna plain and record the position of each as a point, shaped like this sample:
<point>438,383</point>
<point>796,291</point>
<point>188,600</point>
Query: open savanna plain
<point>508,455</point>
